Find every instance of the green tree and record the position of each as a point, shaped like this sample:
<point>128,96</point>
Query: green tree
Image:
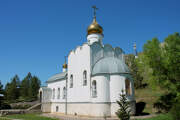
<point>163,61</point>
<point>34,87</point>
<point>25,86</point>
<point>171,55</point>
<point>1,88</point>
<point>123,112</point>
<point>2,93</point>
<point>131,61</point>
<point>12,89</point>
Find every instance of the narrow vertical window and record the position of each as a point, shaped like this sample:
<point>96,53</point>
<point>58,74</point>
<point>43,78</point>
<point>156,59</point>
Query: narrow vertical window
<point>58,95</point>
<point>57,108</point>
<point>64,92</point>
<point>84,78</point>
<point>53,93</point>
<point>71,81</point>
<point>128,87</point>
<point>94,89</point>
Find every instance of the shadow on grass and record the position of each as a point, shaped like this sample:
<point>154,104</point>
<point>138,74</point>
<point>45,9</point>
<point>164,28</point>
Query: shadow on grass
<point>140,108</point>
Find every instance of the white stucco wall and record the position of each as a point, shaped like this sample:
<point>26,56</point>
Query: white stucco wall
<point>45,94</point>
<point>90,109</point>
<point>116,85</point>
<point>103,88</point>
<point>46,107</point>
<point>55,85</point>
<point>78,61</point>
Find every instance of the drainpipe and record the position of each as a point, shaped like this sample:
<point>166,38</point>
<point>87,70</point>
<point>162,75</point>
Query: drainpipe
<point>66,97</point>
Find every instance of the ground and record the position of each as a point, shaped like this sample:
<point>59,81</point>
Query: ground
<point>26,117</point>
<point>39,117</point>
<point>159,117</point>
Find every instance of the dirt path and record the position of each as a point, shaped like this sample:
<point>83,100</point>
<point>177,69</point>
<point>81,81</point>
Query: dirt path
<point>71,117</point>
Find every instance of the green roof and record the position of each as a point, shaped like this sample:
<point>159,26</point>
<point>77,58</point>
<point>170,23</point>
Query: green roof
<point>110,65</point>
<point>57,77</point>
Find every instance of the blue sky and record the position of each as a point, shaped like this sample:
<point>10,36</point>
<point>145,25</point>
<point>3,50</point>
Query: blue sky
<point>35,35</point>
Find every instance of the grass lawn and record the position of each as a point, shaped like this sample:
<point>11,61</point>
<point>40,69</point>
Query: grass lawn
<point>2,118</point>
<point>159,117</point>
<point>26,117</point>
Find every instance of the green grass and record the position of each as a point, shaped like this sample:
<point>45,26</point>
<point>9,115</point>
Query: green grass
<point>26,117</point>
<point>2,118</point>
<point>149,96</point>
<point>159,117</point>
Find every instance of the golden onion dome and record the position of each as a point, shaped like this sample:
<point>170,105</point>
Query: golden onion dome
<point>64,65</point>
<point>94,27</point>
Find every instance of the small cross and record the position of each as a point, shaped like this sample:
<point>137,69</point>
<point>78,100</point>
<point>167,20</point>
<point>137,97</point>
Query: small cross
<point>95,8</point>
<point>65,58</point>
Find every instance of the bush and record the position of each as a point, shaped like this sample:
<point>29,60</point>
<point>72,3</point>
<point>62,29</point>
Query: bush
<point>5,106</point>
<point>165,102</point>
<point>175,111</point>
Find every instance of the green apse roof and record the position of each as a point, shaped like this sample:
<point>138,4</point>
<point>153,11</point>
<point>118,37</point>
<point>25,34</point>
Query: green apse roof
<point>110,65</point>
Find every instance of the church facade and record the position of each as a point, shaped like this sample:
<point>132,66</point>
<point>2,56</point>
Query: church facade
<point>91,81</point>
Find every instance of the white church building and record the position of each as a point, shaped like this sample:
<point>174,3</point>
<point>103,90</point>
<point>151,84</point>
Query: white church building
<point>91,81</point>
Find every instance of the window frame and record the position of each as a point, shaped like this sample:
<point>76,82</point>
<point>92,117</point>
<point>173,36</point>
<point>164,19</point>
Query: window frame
<point>71,82</point>
<point>58,93</point>
<point>64,93</point>
<point>85,78</point>
<point>94,89</point>
<point>53,97</point>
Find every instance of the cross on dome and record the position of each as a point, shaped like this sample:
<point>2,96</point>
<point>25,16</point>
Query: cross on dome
<point>95,8</point>
<point>94,27</point>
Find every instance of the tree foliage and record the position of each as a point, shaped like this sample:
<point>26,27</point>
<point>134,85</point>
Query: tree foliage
<point>163,61</point>
<point>34,87</point>
<point>27,89</point>
<point>1,88</point>
<point>123,112</point>
<point>132,63</point>
<point>12,89</point>
<point>25,85</point>
<point>1,92</point>
<point>175,111</point>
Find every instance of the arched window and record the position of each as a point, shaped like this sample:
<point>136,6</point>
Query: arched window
<point>53,93</point>
<point>128,87</point>
<point>94,89</point>
<point>85,78</point>
<point>64,92</point>
<point>58,95</point>
<point>71,81</point>
<point>57,108</point>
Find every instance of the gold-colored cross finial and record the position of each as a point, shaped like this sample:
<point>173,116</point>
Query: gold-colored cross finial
<point>95,8</point>
<point>65,65</point>
<point>65,58</point>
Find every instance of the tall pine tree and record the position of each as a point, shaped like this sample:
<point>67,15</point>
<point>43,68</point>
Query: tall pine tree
<point>1,88</point>
<point>34,87</point>
<point>123,112</point>
<point>25,85</point>
<point>1,94</point>
<point>12,89</point>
